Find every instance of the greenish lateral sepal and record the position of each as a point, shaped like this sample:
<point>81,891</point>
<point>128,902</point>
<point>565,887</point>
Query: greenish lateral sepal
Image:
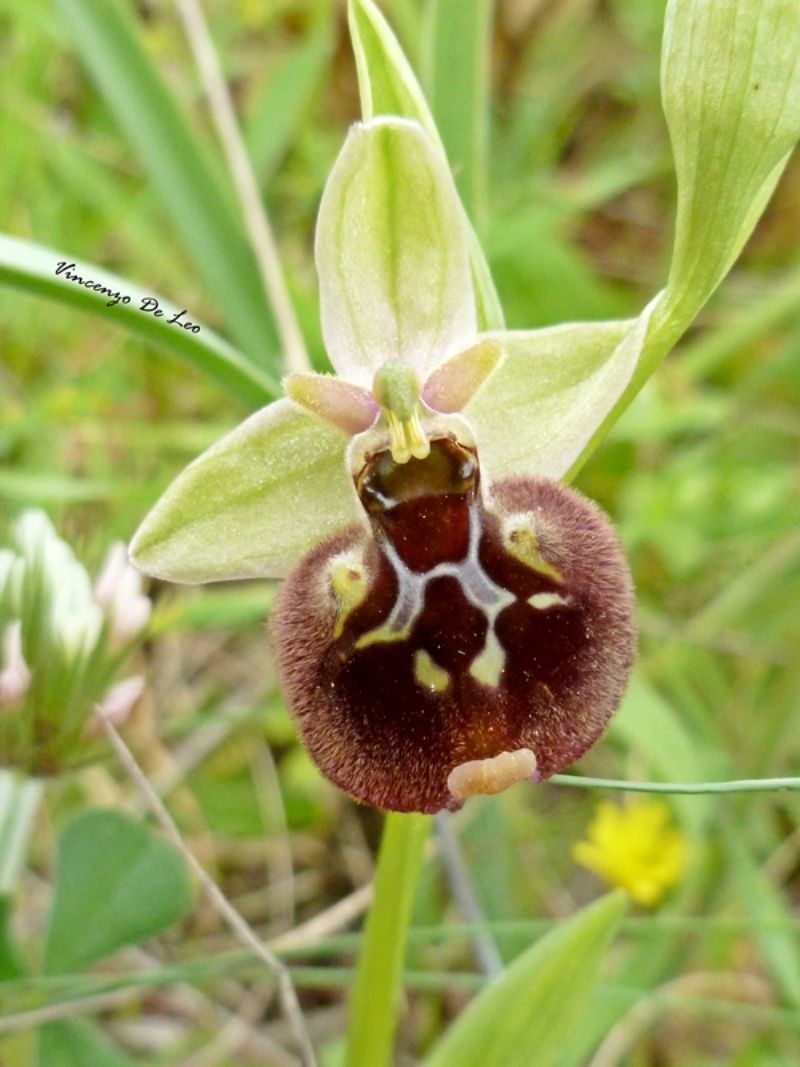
<point>541,410</point>
<point>253,504</point>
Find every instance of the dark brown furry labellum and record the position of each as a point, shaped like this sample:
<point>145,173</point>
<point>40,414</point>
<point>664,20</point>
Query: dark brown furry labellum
<point>472,641</point>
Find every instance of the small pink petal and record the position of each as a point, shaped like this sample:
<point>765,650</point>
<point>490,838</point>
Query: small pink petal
<point>452,385</point>
<point>15,677</point>
<point>118,591</point>
<point>131,618</point>
<point>120,699</point>
<point>114,567</point>
<point>341,403</point>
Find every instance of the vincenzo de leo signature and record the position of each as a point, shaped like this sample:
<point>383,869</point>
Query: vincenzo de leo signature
<point>147,304</point>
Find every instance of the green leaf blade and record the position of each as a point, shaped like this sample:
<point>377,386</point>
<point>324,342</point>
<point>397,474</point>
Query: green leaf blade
<point>31,267</point>
<point>278,112</point>
<point>77,1044</point>
<point>458,36</point>
<point>11,965</point>
<point>198,205</point>
<point>765,904</point>
<point>116,884</point>
<point>386,81</point>
<point>731,93</point>
<point>527,1015</point>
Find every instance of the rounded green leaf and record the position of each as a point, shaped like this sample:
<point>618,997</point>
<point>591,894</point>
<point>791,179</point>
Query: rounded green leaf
<point>116,883</point>
<point>253,504</point>
<point>392,254</point>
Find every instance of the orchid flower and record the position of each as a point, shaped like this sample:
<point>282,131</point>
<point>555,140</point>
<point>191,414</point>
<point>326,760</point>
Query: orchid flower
<point>444,629</point>
<point>453,619</point>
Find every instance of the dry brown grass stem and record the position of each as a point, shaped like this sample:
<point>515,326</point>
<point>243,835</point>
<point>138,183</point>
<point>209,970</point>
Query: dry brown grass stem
<point>255,217</point>
<point>236,923</point>
<point>644,1014</point>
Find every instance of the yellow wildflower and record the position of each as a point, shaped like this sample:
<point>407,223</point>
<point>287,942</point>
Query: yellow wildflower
<point>635,847</point>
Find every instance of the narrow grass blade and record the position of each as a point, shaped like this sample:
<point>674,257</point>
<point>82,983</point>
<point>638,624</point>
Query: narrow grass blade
<point>182,172</point>
<point>77,1044</point>
<point>457,62</point>
<point>19,799</point>
<point>32,267</point>
<point>373,1005</point>
<point>284,100</point>
<point>764,903</point>
<point>46,488</point>
<point>11,965</point>
<point>648,724</point>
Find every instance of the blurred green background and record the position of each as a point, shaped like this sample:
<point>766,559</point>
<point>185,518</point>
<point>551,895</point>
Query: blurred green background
<point>701,476</point>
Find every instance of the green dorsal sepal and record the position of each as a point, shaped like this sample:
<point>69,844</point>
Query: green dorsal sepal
<point>396,388</point>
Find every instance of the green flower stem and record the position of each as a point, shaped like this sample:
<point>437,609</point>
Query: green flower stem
<point>373,1005</point>
<point>19,799</point>
<point>741,785</point>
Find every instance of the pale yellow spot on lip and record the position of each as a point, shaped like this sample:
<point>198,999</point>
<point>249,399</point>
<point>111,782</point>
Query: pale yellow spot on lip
<point>430,674</point>
<point>488,665</point>
<point>347,576</point>
<point>382,635</point>
<point>489,776</point>
<point>547,600</point>
<point>520,540</point>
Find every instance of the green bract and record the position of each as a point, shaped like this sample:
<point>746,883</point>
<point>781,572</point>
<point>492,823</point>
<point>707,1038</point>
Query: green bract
<point>402,278</point>
<point>731,90</point>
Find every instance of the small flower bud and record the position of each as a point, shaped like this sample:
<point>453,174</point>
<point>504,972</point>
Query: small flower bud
<point>74,619</point>
<point>15,676</point>
<point>118,591</point>
<point>120,700</point>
